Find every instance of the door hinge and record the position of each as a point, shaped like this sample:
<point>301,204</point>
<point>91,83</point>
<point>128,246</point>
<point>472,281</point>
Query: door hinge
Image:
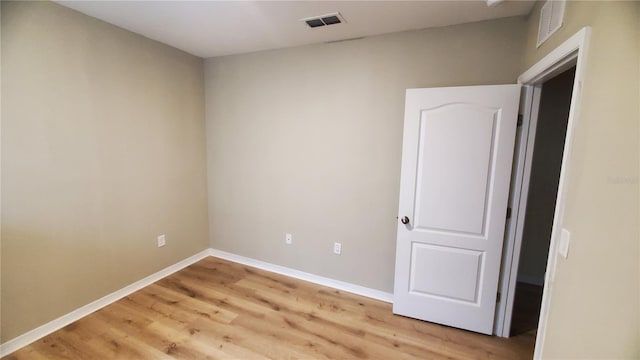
<point>498,297</point>
<point>520,120</point>
<point>508,213</point>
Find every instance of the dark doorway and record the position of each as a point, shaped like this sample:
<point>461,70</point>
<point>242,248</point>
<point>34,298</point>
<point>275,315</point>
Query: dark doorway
<point>551,129</point>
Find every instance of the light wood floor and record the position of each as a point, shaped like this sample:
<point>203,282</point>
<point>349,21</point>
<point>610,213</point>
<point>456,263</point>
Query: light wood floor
<point>216,309</point>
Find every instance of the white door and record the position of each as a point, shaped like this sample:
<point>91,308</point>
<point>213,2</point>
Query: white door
<point>456,166</point>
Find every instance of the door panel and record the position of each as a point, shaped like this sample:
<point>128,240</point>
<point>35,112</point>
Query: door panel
<point>456,165</point>
<point>442,130</point>
<point>445,272</point>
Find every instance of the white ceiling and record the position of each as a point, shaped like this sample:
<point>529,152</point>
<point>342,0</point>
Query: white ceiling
<point>215,28</point>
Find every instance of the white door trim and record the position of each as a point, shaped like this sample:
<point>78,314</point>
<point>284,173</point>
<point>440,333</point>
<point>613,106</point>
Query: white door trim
<point>518,203</point>
<point>573,49</point>
<point>552,63</point>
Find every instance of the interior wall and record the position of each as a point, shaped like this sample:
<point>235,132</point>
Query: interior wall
<point>551,129</point>
<point>595,297</point>
<point>103,149</point>
<point>0,174</point>
<point>308,141</point>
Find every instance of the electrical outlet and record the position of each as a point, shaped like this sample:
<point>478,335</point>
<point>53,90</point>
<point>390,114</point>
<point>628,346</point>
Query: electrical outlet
<point>337,248</point>
<point>288,239</point>
<point>161,240</point>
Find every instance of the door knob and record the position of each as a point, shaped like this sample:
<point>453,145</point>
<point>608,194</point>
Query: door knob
<point>405,220</point>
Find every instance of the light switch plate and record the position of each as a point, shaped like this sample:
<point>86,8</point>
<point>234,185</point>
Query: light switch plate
<point>161,240</point>
<point>563,247</point>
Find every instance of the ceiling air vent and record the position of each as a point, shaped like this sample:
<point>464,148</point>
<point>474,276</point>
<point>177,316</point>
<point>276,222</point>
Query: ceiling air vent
<point>324,20</point>
<point>551,16</point>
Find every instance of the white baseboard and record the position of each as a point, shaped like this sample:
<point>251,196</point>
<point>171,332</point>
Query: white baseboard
<point>532,280</point>
<point>297,274</point>
<point>57,324</point>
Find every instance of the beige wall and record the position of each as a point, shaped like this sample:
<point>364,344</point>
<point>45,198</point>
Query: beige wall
<point>0,175</point>
<point>308,140</point>
<point>103,149</point>
<point>595,302</point>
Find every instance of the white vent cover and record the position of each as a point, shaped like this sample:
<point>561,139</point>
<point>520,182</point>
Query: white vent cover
<point>551,16</point>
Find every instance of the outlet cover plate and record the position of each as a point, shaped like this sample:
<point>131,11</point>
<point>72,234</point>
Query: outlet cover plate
<point>337,248</point>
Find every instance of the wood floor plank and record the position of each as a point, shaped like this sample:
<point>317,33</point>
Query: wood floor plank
<point>349,324</point>
<point>216,309</point>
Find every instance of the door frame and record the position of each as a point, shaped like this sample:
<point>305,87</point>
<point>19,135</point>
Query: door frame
<point>572,51</point>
